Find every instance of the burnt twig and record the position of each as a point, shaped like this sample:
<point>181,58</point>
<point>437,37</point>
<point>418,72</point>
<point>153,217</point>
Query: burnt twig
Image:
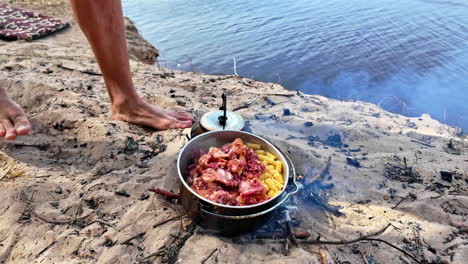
<point>168,220</point>
<point>82,71</point>
<point>402,200</point>
<point>290,228</point>
<point>70,221</point>
<point>171,252</point>
<point>209,256</point>
<point>326,170</point>
<point>165,194</point>
<point>422,143</point>
<point>46,248</point>
<point>316,199</point>
<point>245,105</point>
<point>139,235</point>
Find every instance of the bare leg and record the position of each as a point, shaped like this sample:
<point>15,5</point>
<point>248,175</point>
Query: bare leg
<point>13,121</point>
<point>102,23</point>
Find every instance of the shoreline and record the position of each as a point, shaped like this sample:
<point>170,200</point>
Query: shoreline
<point>60,185</point>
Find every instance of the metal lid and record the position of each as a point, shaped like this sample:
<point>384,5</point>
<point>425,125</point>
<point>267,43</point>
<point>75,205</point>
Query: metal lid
<point>210,121</point>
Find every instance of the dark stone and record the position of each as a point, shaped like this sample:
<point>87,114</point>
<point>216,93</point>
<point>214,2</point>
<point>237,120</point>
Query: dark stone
<point>363,201</point>
<point>122,193</point>
<point>308,124</point>
<point>446,176</point>
<point>355,150</point>
<point>108,243</point>
<point>287,112</point>
<point>392,193</point>
<point>131,146</point>
<point>58,126</point>
<point>270,101</point>
<point>144,196</point>
<point>55,204</point>
<point>91,203</point>
<point>353,162</point>
<point>58,190</point>
<point>334,141</point>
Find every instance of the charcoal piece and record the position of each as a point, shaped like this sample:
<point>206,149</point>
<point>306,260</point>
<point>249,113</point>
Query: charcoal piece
<point>446,176</point>
<point>355,150</point>
<point>131,146</point>
<point>122,193</point>
<point>58,190</point>
<point>308,124</point>
<point>403,174</point>
<point>271,102</point>
<point>334,141</point>
<point>392,193</point>
<point>353,162</point>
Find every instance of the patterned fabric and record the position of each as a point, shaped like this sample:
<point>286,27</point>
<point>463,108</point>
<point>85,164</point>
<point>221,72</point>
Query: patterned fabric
<point>17,24</point>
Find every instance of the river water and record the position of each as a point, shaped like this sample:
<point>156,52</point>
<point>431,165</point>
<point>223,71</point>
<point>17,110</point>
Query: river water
<point>409,56</point>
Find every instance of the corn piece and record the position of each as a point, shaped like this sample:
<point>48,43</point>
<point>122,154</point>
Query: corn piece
<point>253,146</point>
<point>278,166</point>
<point>270,155</point>
<point>266,158</point>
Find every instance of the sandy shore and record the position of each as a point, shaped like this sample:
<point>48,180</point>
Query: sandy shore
<point>75,190</point>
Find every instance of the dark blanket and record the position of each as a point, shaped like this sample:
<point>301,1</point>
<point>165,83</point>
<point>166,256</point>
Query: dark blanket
<point>17,24</point>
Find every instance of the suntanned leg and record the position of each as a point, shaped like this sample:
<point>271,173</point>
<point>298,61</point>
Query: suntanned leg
<point>102,23</point>
<point>13,121</point>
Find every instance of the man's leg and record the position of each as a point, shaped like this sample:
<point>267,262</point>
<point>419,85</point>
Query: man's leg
<point>102,23</point>
<point>13,121</point>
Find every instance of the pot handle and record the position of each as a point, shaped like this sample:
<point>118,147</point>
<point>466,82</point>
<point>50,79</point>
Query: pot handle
<point>297,185</point>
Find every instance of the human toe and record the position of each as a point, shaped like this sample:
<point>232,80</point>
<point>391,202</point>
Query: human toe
<point>2,131</point>
<point>183,116</point>
<point>10,129</point>
<point>183,124</point>
<point>22,126</point>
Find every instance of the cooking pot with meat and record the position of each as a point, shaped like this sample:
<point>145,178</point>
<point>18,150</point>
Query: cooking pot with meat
<point>220,217</point>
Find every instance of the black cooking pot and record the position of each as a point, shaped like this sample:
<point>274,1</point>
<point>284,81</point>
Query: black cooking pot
<point>227,219</point>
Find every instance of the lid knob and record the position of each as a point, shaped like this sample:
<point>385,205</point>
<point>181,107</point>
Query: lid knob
<point>222,119</point>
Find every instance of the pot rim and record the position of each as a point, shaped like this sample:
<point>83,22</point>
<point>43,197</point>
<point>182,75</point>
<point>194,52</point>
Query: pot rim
<point>283,158</point>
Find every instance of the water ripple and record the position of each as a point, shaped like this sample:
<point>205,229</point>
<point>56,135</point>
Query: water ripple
<point>416,50</point>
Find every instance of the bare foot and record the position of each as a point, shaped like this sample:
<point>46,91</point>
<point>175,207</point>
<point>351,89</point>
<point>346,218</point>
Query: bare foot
<point>144,114</point>
<point>13,120</point>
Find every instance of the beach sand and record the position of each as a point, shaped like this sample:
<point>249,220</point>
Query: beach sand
<point>75,189</point>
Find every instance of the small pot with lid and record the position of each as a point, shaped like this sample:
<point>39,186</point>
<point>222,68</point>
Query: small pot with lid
<point>218,120</point>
